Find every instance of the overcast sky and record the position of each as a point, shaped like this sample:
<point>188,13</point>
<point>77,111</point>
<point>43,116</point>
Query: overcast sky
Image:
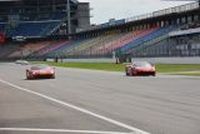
<point>103,10</point>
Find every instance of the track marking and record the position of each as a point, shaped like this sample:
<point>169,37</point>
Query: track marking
<point>135,130</point>
<point>59,131</point>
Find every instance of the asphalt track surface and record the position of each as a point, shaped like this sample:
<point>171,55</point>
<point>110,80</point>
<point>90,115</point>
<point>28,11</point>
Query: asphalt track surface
<point>96,102</point>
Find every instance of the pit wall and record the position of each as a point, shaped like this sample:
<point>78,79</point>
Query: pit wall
<point>163,60</point>
<point>171,60</point>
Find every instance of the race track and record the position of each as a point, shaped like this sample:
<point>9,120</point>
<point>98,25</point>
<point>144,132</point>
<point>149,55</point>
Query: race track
<point>97,102</point>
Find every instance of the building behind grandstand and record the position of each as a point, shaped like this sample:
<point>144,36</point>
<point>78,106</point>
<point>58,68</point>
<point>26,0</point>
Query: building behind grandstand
<point>40,18</point>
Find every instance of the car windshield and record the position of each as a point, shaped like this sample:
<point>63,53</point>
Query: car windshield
<point>142,64</point>
<point>39,67</point>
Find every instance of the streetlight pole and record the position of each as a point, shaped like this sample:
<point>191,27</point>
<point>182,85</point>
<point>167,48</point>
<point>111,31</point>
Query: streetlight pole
<point>68,17</point>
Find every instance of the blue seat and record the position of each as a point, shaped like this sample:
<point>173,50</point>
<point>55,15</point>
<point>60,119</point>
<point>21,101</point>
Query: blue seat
<point>148,37</point>
<point>2,27</point>
<point>33,29</point>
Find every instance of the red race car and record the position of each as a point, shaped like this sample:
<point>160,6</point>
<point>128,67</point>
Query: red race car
<point>40,71</point>
<point>140,69</point>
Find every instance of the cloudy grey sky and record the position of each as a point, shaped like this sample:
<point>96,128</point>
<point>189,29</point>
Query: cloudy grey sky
<point>105,9</point>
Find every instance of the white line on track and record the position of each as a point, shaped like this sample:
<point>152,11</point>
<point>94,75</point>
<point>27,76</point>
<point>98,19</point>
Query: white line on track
<point>59,131</point>
<point>135,130</point>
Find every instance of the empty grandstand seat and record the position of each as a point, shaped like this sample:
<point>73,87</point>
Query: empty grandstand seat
<point>33,29</point>
<point>6,50</point>
<point>151,35</point>
<point>50,47</point>
<point>27,49</point>
<point>2,27</point>
<point>58,16</point>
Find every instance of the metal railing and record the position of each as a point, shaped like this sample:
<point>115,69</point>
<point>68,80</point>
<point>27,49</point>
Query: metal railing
<point>177,9</point>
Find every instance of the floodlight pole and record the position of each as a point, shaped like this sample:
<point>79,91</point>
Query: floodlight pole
<point>68,17</point>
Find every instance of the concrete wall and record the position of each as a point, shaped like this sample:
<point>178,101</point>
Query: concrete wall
<point>171,60</point>
<point>167,60</point>
<point>99,60</point>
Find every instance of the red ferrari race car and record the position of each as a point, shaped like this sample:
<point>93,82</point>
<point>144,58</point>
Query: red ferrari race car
<point>40,71</point>
<point>140,69</point>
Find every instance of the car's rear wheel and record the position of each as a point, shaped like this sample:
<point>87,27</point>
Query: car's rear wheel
<point>130,72</point>
<point>154,74</point>
<point>134,73</point>
<point>53,76</point>
<point>127,74</point>
<point>27,76</point>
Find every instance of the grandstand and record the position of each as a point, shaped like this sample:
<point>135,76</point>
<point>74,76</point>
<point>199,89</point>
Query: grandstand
<point>169,32</point>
